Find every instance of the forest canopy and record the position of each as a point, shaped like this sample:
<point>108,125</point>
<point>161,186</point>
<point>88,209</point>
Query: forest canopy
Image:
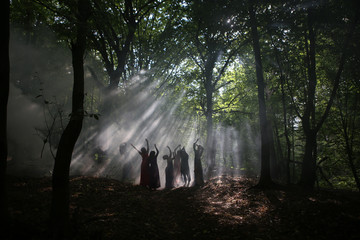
<point>177,71</point>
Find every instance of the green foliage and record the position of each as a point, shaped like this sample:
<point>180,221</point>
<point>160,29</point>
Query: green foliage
<point>183,47</point>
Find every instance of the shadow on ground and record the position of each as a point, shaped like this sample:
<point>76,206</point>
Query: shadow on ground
<point>224,208</point>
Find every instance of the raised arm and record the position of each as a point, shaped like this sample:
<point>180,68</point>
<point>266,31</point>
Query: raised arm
<point>135,148</point>
<point>147,145</point>
<point>194,145</point>
<point>175,150</point>
<point>170,153</point>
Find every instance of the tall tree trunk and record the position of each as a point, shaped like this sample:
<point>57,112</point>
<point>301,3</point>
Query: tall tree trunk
<point>274,158</point>
<point>265,177</point>
<point>349,152</point>
<point>209,89</point>
<point>308,172</point>
<point>310,127</point>
<point>4,95</point>
<point>285,120</point>
<point>348,128</point>
<point>286,131</point>
<point>123,53</point>
<point>279,174</point>
<point>210,138</point>
<point>60,179</point>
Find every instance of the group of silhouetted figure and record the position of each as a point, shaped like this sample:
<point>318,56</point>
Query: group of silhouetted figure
<point>177,168</point>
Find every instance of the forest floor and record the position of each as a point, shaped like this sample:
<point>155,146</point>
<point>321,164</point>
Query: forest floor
<point>224,208</point>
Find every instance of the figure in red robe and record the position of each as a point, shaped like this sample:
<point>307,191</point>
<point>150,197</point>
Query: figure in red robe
<point>154,170</point>
<point>177,166</point>
<point>169,170</point>
<point>144,175</point>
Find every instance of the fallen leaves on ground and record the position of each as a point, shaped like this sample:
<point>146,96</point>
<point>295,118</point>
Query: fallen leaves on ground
<point>224,208</point>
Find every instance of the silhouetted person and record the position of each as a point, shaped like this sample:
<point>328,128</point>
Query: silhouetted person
<point>185,170</point>
<point>144,175</point>
<point>177,166</point>
<point>154,169</point>
<point>198,171</point>
<point>169,170</point>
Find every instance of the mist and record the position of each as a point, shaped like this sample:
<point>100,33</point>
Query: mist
<point>39,104</point>
<point>38,77</point>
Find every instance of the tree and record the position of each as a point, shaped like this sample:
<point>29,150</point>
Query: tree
<point>348,123</point>
<point>309,59</point>
<point>285,116</point>
<point>345,118</point>
<point>310,125</point>
<point>114,29</point>
<point>4,95</point>
<point>265,177</point>
<point>214,38</point>
<point>60,178</point>
<point>191,49</point>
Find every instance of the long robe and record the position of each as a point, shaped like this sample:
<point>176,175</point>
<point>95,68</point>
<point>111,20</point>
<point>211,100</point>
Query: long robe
<point>154,172</point>
<point>169,174</point>
<point>144,175</point>
<point>177,170</point>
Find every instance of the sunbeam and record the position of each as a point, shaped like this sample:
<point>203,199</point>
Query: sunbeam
<point>140,116</point>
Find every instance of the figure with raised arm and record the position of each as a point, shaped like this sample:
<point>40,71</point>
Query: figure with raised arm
<point>169,170</point>
<point>144,175</point>
<point>185,170</point>
<point>177,166</point>
<point>154,169</point>
<point>198,171</point>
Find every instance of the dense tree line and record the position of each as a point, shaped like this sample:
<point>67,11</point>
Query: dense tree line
<point>286,70</point>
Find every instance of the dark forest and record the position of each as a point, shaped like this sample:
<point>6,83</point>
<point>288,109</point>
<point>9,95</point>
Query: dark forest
<point>185,119</point>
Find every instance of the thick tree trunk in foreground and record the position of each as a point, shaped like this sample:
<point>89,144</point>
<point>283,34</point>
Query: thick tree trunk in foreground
<point>265,177</point>
<point>60,179</point>
<point>4,95</point>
